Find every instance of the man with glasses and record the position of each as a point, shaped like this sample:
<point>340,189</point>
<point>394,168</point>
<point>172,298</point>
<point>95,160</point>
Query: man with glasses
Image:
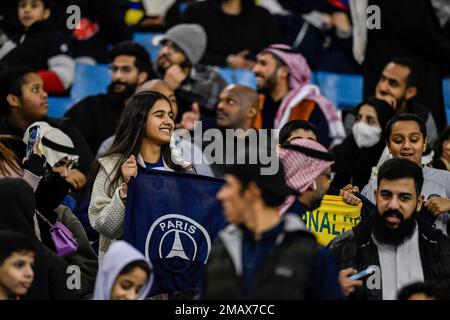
<point>196,86</point>
<point>97,116</point>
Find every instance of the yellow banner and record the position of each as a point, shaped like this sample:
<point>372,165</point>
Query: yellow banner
<point>332,218</point>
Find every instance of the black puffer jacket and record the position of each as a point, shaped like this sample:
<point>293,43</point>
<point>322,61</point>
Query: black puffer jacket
<point>356,249</point>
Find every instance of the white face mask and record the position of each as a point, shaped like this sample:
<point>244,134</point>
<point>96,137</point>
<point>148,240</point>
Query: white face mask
<point>365,136</point>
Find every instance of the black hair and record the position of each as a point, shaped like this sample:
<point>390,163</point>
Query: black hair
<point>406,117</point>
<point>137,264</point>
<point>130,135</point>
<point>445,135</point>
<point>293,125</point>
<point>411,80</point>
<point>397,168</point>
<point>429,289</point>
<point>278,62</point>
<point>12,241</point>
<point>274,189</point>
<point>11,82</point>
<point>12,151</point>
<point>47,3</point>
<point>142,57</point>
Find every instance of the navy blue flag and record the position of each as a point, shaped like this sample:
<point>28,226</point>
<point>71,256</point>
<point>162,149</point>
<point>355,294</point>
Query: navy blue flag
<point>172,218</point>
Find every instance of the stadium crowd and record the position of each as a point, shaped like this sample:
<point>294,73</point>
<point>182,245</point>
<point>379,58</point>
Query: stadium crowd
<point>67,184</point>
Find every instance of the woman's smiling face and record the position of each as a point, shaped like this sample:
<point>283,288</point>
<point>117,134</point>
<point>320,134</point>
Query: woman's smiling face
<point>160,123</point>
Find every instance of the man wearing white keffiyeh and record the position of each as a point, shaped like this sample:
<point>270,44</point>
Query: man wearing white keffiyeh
<point>394,239</point>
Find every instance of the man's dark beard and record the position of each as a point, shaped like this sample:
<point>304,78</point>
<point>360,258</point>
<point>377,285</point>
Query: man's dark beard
<point>395,237</point>
<point>269,84</point>
<point>122,96</point>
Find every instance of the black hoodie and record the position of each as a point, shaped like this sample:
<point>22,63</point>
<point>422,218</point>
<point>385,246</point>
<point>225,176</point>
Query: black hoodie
<point>254,29</point>
<point>17,206</point>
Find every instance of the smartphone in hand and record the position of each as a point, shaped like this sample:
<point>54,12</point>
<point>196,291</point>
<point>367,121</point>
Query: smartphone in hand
<point>362,274</point>
<point>33,136</point>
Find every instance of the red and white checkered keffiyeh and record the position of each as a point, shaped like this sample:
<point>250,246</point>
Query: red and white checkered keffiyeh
<point>300,169</point>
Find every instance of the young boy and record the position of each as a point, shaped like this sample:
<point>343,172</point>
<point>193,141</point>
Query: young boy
<point>41,47</point>
<point>17,253</point>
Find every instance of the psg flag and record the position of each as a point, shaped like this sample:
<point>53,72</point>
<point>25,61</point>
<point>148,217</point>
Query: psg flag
<point>172,218</point>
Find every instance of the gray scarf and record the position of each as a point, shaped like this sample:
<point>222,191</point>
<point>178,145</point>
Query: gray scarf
<point>400,266</point>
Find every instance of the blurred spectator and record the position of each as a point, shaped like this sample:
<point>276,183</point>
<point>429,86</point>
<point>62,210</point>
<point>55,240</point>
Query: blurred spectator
<point>237,30</point>
<point>264,243</point>
<point>441,158</point>
<point>398,86</point>
<point>100,26</point>
<point>322,32</point>
<point>360,151</point>
<point>154,17</point>
<point>24,101</point>
<point>97,116</point>
<point>195,85</point>
<point>442,10</point>
<point>17,206</point>
<point>40,46</point>
<point>419,291</point>
<point>283,76</point>
<point>175,13</point>
<point>17,256</point>
<point>413,31</point>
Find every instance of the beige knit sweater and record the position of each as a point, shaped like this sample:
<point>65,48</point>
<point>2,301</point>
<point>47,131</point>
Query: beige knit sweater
<point>107,214</point>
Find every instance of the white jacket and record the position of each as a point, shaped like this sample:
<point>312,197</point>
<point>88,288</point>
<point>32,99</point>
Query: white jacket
<point>107,214</point>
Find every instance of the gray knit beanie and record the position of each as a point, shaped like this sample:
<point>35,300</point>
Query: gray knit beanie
<point>191,38</point>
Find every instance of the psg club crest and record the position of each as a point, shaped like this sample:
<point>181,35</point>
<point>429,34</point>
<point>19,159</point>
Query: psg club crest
<point>177,238</point>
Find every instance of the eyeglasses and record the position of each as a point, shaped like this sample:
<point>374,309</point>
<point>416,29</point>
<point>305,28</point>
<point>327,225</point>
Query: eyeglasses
<point>329,175</point>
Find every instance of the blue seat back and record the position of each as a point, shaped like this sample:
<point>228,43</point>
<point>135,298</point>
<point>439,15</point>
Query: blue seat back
<point>58,106</point>
<point>89,80</point>
<point>342,89</point>
<point>145,39</point>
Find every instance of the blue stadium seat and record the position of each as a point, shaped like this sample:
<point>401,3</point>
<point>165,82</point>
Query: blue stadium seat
<point>342,89</point>
<point>145,39</point>
<point>58,106</point>
<point>89,80</point>
<point>240,76</point>
<point>446,89</point>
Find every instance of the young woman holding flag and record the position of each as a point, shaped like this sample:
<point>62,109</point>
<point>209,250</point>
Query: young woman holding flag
<point>142,139</point>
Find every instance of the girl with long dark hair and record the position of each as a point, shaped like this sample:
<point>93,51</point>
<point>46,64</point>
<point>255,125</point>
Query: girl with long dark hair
<point>142,139</point>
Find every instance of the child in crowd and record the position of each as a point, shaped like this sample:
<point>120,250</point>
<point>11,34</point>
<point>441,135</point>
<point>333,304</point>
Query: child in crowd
<point>23,101</point>
<point>41,47</point>
<point>16,264</point>
<point>124,274</point>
